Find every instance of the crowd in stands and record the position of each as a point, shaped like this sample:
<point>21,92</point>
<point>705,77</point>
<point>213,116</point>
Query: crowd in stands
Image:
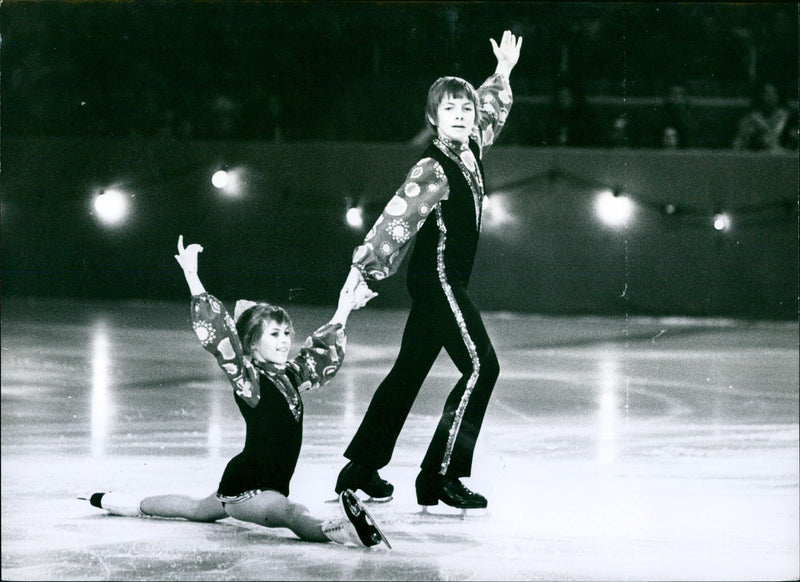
<point>767,123</point>
<point>253,84</point>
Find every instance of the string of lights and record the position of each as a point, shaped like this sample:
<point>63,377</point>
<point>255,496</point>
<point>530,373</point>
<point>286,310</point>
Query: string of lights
<point>614,206</point>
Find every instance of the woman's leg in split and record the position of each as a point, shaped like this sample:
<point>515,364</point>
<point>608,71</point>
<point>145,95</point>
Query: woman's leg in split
<point>206,509</point>
<point>273,509</point>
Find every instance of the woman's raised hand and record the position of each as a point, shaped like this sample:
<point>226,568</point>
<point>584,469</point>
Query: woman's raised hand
<point>187,256</point>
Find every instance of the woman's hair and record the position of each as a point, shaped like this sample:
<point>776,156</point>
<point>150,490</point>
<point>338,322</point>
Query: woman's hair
<point>449,87</point>
<point>251,323</point>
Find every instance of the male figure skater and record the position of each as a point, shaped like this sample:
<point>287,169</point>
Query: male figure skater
<point>440,204</point>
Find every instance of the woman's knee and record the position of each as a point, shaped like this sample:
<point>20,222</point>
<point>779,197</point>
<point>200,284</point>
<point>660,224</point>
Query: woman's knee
<point>296,511</point>
<point>268,508</point>
<point>208,510</point>
<point>206,516</point>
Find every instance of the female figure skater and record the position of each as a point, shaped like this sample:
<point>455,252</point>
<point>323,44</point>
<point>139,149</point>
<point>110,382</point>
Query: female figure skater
<point>252,349</point>
<point>440,203</point>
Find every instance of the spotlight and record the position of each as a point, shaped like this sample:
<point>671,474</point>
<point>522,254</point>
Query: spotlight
<point>229,181</point>
<point>722,221</point>
<point>613,207</point>
<point>220,179</point>
<point>355,217</point>
<point>496,212</point>
<point>111,207</point>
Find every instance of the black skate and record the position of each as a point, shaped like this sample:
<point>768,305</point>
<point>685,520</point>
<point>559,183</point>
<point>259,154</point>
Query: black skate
<point>354,477</point>
<point>451,491</point>
<point>366,528</point>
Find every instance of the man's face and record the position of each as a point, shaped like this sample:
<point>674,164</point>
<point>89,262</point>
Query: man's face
<point>455,118</point>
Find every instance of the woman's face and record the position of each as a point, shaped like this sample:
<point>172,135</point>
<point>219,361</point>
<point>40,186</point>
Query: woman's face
<point>274,344</point>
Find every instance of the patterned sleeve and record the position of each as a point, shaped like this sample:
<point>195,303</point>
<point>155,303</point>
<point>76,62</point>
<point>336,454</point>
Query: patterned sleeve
<point>389,239</point>
<point>216,331</point>
<point>495,103</point>
<point>320,357</point>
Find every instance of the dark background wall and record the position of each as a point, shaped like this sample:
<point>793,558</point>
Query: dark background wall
<point>285,238</point>
<point>322,103</point>
<point>360,70</point>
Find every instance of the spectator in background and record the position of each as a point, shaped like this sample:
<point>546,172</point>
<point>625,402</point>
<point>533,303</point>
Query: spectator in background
<point>570,123</point>
<point>220,117</point>
<point>762,127</point>
<point>674,127</point>
<point>261,115</point>
<point>789,137</point>
<point>146,108</point>
<point>623,131</point>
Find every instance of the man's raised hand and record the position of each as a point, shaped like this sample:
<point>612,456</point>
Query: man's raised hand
<point>507,52</point>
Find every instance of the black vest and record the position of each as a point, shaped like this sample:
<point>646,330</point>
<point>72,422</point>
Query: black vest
<point>461,228</point>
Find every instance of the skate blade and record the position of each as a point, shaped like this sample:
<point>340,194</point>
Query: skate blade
<point>452,512</point>
<point>380,533</point>
<point>369,500</point>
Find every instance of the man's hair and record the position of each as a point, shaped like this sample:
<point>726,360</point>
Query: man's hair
<point>449,87</point>
<point>250,325</point>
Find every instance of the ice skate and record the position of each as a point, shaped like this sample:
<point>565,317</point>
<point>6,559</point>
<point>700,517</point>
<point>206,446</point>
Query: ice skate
<point>341,531</point>
<point>365,526</point>
<point>354,477</point>
<point>116,503</point>
<point>451,491</point>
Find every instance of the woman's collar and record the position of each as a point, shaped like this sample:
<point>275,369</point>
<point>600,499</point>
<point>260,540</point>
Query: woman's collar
<point>269,367</point>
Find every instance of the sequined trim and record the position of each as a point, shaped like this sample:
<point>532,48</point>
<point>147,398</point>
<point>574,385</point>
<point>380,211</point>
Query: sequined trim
<point>474,179</point>
<point>278,377</point>
<point>243,496</point>
<point>473,352</point>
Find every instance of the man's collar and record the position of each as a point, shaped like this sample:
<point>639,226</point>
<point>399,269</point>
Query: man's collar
<point>453,145</point>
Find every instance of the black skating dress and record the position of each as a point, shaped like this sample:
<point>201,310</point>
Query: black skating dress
<point>268,397</point>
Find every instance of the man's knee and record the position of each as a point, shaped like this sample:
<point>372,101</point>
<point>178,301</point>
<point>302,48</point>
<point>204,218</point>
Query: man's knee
<point>489,366</point>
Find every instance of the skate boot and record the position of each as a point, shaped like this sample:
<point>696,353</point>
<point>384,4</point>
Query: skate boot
<point>341,531</point>
<point>354,476</point>
<point>116,503</point>
<point>450,490</point>
<point>366,528</point>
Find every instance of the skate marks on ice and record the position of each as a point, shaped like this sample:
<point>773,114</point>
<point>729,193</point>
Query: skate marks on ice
<point>613,456</point>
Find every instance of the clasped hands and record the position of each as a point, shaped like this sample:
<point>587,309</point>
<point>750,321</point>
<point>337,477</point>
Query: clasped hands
<point>355,290</point>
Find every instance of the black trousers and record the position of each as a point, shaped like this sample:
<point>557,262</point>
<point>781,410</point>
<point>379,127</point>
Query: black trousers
<point>442,316</point>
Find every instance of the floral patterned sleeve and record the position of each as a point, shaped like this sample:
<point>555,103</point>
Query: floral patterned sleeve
<point>495,103</point>
<point>216,331</point>
<point>320,357</point>
<point>389,239</point>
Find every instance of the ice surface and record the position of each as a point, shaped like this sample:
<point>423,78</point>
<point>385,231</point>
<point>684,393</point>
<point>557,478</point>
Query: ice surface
<point>612,450</point>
